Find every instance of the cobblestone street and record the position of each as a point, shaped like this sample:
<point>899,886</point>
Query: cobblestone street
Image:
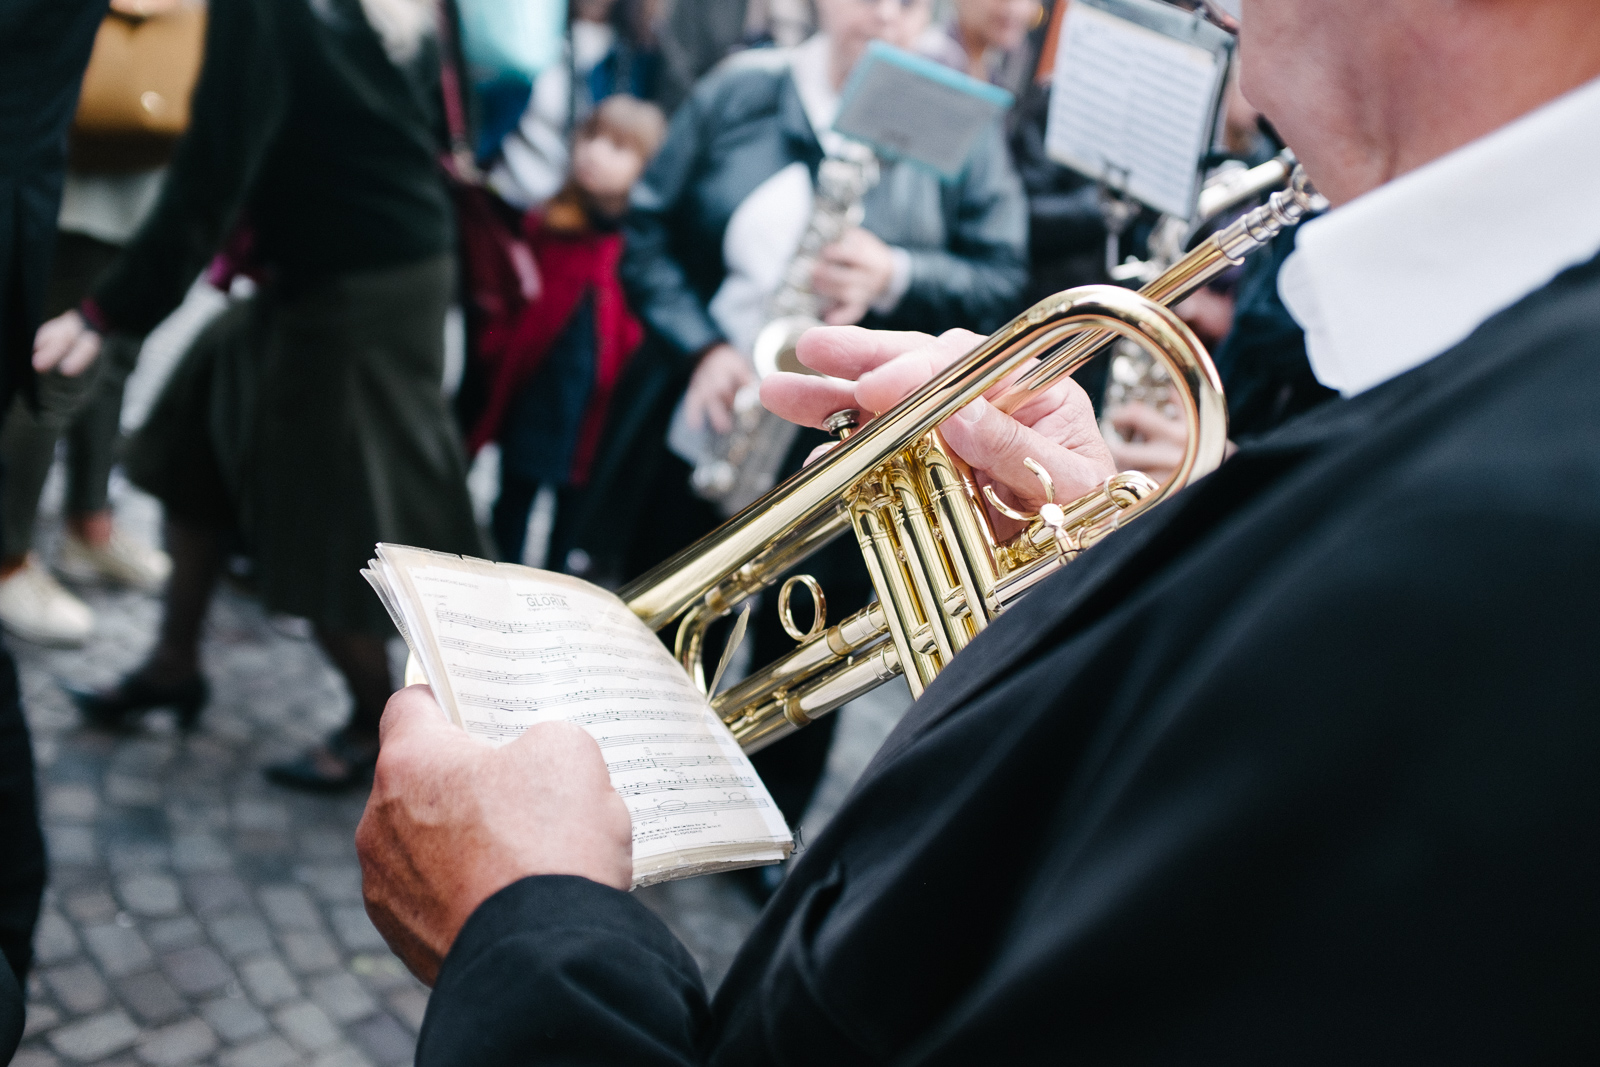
<point>196,913</point>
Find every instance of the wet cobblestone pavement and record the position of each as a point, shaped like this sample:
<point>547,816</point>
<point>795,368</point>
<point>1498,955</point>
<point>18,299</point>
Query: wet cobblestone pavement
<point>197,914</point>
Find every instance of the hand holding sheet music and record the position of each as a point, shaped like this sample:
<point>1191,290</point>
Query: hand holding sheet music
<point>506,647</point>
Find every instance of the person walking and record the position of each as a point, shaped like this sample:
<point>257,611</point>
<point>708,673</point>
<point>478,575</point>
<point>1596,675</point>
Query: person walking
<point>100,212</point>
<point>308,420</point>
<point>44,47</point>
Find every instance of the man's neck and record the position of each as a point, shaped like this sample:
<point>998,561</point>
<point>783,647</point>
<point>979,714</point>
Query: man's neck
<point>1429,79</point>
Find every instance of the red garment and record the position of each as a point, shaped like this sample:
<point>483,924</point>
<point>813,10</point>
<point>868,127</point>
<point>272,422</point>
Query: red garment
<point>571,264</point>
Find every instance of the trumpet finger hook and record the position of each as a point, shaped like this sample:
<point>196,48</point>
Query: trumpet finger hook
<point>1045,481</point>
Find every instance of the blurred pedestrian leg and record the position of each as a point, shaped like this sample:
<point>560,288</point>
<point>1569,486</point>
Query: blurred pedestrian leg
<point>308,425</point>
<point>86,411</point>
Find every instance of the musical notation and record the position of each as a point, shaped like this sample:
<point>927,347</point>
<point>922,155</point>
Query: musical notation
<point>564,674</point>
<point>541,626</point>
<point>666,763</point>
<point>560,652</point>
<point>676,785</point>
<point>670,808</point>
<point>619,740</point>
<point>581,696</point>
<point>516,651</point>
<point>494,731</point>
<point>507,731</point>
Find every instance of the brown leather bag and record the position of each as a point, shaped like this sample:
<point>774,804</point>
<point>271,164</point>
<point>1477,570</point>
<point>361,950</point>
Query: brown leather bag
<point>135,100</point>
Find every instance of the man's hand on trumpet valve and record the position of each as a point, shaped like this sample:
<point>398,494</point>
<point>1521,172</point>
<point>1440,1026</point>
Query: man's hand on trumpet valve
<point>873,370</point>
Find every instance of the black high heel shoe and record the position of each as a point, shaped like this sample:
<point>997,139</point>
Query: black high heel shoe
<point>117,708</point>
<point>340,764</point>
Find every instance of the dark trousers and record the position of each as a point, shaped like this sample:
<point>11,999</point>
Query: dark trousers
<point>86,410</point>
<point>509,519</point>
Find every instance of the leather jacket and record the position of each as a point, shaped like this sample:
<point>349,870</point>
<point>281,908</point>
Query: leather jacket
<point>967,238</point>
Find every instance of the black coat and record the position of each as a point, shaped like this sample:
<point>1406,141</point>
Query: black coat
<point>301,124</point>
<point>1300,769</point>
<point>44,47</point>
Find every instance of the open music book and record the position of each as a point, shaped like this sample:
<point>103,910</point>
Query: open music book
<point>505,647</point>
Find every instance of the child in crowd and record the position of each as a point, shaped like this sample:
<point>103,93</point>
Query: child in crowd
<point>526,130</point>
<point>546,398</point>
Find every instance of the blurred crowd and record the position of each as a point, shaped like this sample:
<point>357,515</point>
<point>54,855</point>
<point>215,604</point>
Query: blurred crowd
<point>602,237</point>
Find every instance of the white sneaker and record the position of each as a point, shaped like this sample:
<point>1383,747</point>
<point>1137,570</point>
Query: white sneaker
<point>122,560</point>
<point>35,607</point>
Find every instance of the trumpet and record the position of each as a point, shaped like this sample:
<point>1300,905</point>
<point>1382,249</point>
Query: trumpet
<point>940,570</point>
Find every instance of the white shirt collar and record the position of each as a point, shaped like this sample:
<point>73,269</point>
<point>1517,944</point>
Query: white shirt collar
<point>1404,273</point>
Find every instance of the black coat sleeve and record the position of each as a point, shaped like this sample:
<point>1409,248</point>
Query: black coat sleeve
<point>561,970</point>
<point>657,286</point>
<point>976,280</point>
<point>238,105</point>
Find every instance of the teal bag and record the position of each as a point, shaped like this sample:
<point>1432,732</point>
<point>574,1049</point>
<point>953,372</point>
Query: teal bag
<point>511,38</point>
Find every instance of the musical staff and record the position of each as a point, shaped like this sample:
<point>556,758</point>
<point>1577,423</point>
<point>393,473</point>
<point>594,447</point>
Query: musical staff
<point>541,626</point>
<point>620,740</point>
<point>676,785</point>
<point>559,652</point>
<point>581,696</point>
<point>494,731</point>
<point>664,763</point>
<point>670,808</point>
<point>632,672</point>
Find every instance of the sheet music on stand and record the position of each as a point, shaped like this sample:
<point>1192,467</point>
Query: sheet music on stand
<point>1135,98</point>
<point>906,106</point>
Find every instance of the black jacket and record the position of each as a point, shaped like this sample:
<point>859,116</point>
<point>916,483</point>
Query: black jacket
<point>44,47</point>
<point>302,124</point>
<point>742,125</point>
<point>1299,769</point>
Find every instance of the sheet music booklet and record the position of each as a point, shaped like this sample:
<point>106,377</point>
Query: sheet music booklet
<point>505,647</point>
<point>1135,98</point>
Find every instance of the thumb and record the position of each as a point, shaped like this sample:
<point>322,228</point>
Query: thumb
<point>412,712</point>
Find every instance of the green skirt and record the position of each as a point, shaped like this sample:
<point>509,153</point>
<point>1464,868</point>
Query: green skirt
<point>315,426</point>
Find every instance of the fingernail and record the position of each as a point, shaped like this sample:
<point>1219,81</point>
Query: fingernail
<point>972,412</point>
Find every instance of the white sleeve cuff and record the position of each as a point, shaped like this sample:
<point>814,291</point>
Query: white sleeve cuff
<point>899,282</point>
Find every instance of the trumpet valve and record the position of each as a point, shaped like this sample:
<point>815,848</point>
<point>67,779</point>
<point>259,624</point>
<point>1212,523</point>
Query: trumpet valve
<point>842,423</point>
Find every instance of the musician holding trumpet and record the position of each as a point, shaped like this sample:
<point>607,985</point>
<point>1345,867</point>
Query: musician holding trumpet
<point>1300,768</point>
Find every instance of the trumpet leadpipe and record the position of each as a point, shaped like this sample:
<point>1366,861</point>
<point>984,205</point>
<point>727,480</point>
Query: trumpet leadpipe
<point>1224,249</point>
